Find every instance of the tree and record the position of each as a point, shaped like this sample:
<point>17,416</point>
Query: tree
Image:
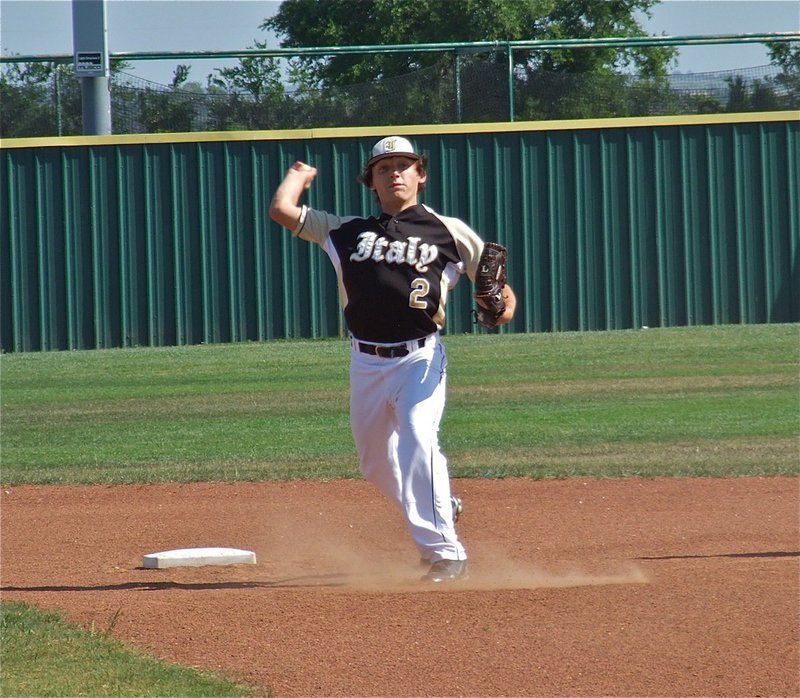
<point>306,23</point>
<point>39,99</point>
<point>43,99</point>
<point>309,23</point>
<point>170,110</point>
<point>258,96</point>
<point>787,57</point>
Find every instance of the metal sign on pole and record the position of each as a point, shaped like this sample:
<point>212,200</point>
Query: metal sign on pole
<point>90,48</point>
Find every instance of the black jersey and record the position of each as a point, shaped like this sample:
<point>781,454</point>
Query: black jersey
<point>394,272</point>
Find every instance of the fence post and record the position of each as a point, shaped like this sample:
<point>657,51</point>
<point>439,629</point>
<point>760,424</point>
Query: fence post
<point>457,70</point>
<point>59,122</point>
<point>510,82</point>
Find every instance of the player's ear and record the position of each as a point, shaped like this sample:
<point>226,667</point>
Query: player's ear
<point>366,178</point>
<point>423,178</point>
<point>422,170</point>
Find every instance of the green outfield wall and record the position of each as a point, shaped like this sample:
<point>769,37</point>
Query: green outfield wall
<point>159,240</point>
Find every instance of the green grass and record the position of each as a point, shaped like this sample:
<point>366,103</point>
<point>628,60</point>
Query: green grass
<point>684,401</point>
<point>43,655</point>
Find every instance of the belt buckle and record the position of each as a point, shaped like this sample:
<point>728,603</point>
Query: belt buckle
<point>391,352</point>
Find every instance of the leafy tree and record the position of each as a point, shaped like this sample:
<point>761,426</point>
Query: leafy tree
<point>43,99</point>
<point>787,57</point>
<point>763,97</point>
<point>39,99</point>
<point>167,111</point>
<point>759,96</point>
<point>357,22</point>
<point>258,96</point>
<point>737,94</point>
<point>701,104</point>
<point>308,23</point>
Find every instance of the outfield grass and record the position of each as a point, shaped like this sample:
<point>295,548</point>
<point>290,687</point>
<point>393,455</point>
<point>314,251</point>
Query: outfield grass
<point>683,401</point>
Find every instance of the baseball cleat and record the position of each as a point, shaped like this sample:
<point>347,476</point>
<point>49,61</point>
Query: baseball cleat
<point>446,571</point>
<point>458,507</point>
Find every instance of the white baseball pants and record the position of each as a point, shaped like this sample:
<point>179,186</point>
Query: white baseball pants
<point>396,406</point>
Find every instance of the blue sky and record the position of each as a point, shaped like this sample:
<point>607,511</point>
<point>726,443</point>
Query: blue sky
<point>33,27</point>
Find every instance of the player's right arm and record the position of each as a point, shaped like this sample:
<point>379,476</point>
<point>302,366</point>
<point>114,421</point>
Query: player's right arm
<point>285,208</point>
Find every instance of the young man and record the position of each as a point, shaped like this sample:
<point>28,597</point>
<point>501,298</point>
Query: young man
<point>394,273</point>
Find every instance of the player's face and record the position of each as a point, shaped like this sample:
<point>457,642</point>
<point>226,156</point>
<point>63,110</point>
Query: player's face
<point>396,181</point>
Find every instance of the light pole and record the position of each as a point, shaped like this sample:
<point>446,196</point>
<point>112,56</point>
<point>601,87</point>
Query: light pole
<point>90,47</point>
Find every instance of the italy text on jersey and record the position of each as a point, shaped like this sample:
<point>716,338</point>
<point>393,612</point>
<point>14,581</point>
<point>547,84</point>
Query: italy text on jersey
<point>413,252</point>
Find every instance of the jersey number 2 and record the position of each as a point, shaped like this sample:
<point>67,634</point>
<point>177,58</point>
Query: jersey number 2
<point>419,289</point>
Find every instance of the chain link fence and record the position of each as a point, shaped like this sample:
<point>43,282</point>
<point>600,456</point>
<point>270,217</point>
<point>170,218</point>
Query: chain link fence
<point>44,100</point>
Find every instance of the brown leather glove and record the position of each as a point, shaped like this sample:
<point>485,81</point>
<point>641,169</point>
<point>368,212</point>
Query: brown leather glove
<point>489,282</point>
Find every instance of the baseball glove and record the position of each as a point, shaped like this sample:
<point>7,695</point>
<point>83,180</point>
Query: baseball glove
<point>489,282</point>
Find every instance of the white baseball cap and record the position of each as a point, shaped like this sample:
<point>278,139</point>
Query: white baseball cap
<point>391,146</point>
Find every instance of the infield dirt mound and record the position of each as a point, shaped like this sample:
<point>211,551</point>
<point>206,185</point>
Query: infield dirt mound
<point>576,588</point>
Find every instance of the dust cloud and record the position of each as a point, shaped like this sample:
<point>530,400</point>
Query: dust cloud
<point>313,551</point>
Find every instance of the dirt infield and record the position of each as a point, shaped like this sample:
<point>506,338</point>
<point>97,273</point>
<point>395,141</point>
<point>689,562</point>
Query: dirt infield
<point>676,587</point>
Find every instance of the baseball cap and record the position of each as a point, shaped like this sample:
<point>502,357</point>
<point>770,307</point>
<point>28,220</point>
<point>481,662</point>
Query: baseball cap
<point>390,146</point>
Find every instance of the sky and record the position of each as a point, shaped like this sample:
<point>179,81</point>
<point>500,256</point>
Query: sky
<point>36,27</point>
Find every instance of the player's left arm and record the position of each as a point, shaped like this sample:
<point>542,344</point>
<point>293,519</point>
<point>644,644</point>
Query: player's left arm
<point>496,300</point>
<point>470,247</point>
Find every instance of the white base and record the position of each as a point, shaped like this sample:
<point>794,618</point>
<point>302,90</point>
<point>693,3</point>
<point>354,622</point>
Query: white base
<point>196,557</point>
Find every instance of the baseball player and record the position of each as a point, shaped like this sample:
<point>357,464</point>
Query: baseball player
<point>394,272</point>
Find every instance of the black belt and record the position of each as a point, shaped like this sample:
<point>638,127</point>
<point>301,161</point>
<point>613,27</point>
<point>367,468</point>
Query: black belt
<point>391,351</point>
